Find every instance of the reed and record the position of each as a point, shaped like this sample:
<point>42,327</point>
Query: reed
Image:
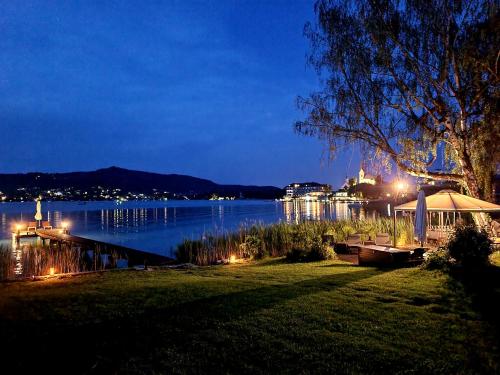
<point>35,260</point>
<point>39,260</point>
<point>7,262</point>
<point>275,240</point>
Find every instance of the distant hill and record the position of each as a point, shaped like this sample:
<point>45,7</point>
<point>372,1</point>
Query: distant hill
<point>137,182</point>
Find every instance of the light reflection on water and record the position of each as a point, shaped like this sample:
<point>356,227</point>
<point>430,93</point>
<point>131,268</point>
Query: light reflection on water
<point>159,226</point>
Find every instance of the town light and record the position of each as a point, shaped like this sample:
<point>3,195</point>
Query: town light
<point>18,227</point>
<point>52,271</point>
<point>65,225</point>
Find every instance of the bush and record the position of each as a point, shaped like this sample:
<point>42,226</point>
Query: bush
<point>252,248</point>
<point>297,255</point>
<point>321,252</point>
<point>316,250</point>
<point>437,260</point>
<point>470,247</point>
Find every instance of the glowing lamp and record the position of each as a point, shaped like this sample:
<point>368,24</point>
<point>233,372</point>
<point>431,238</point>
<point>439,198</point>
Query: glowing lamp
<point>65,225</point>
<point>400,185</point>
<point>52,271</point>
<point>232,259</point>
<point>18,227</point>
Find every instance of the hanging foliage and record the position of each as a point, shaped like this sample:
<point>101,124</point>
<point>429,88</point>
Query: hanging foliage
<point>416,82</point>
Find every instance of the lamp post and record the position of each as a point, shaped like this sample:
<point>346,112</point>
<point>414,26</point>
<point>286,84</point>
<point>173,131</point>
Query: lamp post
<point>65,227</point>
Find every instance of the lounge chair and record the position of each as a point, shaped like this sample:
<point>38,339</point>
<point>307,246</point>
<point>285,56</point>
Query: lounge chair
<point>46,225</point>
<point>350,245</point>
<point>31,226</point>
<point>495,228</point>
<point>496,243</point>
<point>383,239</point>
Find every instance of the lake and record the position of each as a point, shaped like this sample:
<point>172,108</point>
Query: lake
<point>158,226</point>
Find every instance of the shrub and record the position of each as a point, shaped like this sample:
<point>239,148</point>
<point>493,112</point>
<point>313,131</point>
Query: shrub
<point>437,260</point>
<point>470,247</point>
<point>297,254</point>
<point>314,250</point>
<point>321,252</point>
<point>252,247</point>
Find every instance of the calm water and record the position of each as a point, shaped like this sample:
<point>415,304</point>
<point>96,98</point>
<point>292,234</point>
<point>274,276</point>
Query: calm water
<point>159,226</point>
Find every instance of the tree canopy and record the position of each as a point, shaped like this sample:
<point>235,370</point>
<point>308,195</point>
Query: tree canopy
<point>414,82</point>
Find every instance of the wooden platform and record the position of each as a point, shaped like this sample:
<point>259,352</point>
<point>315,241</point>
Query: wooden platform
<point>134,256</point>
<point>384,255</point>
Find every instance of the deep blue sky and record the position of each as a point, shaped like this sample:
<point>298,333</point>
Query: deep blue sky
<point>200,88</point>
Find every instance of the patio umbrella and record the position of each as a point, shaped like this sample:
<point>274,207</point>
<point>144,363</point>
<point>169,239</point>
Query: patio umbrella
<point>38,215</point>
<point>451,201</point>
<point>421,218</point>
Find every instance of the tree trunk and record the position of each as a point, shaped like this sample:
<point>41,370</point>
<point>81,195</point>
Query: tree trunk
<point>470,183</point>
<point>469,176</point>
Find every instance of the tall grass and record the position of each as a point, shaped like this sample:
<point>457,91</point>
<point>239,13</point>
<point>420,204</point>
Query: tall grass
<point>7,262</point>
<point>34,260</point>
<point>38,261</point>
<point>278,239</point>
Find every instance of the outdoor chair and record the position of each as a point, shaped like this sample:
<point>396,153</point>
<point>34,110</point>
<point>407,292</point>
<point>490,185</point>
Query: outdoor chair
<point>383,239</point>
<point>46,225</point>
<point>350,245</point>
<point>31,226</point>
<point>495,243</point>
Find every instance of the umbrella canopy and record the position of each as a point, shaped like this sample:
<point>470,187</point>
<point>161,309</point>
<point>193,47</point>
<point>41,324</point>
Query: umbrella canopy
<point>38,215</point>
<point>421,218</point>
<point>451,201</point>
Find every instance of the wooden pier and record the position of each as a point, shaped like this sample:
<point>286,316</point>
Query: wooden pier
<point>62,236</point>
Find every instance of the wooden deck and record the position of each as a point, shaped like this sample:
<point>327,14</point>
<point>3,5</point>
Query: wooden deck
<point>134,256</point>
<point>384,255</point>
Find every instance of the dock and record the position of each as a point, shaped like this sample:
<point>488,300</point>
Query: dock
<point>62,236</point>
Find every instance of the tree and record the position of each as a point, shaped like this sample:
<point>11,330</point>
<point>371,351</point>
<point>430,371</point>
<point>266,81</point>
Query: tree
<point>415,82</point>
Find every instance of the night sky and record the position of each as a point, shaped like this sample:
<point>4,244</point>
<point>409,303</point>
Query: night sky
<point>200,88</point>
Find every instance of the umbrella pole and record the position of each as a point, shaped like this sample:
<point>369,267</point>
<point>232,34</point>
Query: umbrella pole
<point>394,231</point>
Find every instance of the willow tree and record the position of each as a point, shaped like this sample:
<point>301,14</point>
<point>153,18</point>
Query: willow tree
<point>415,82</point>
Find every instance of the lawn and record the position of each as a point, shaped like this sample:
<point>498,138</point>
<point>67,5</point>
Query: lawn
<point>264,317</point>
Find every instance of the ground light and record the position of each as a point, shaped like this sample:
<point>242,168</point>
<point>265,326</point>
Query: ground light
<point>232,259</point>
<point>64,226</point>
<point>52,271</point>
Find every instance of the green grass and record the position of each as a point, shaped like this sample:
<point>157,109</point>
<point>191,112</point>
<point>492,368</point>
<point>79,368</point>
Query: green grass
<point>264,317</point>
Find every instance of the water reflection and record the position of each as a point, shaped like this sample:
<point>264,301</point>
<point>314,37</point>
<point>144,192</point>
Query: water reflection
<point>296,211</point>
<point>160,229</point>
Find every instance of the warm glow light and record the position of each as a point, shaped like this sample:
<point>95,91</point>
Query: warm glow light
<point>18,227</point>
<point>232,259</point>
<point>52,271</point>
<point>400,185</point>
<point>65,224</point>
